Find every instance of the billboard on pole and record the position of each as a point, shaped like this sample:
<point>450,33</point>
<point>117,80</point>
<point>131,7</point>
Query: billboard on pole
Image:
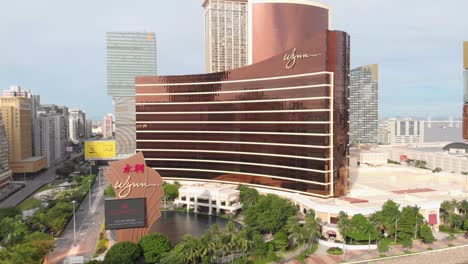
<point>100,150</point>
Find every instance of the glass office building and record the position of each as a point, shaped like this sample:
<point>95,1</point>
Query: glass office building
<point>129,54</point>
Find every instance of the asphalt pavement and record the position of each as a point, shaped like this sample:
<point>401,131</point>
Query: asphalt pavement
<point>31,186</point>
<point>88,224</point>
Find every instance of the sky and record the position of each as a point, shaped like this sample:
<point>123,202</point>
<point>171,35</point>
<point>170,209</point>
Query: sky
<point>56,48</point>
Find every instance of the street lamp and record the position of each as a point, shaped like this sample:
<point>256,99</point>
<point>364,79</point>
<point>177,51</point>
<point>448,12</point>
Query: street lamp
<point>74,221</point>
<point>99,177</point>
<point>89,198</point>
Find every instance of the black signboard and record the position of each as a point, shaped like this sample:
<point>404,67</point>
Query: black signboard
<point>125,213</point>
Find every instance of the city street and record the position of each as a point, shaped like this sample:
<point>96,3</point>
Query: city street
<point>31,186</point>
<point>88,224</point>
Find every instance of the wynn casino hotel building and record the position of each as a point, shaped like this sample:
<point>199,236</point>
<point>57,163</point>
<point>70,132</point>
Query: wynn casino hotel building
<point>280,122</point>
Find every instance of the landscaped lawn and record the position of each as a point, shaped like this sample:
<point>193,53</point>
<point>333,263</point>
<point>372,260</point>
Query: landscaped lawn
<point>29,203</point>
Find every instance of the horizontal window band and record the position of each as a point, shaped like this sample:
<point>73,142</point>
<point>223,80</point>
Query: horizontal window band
<point>237,91</point>
<point>234,112</point>
<point>234,122</point>
<point>239,163</point>
<point>249,184</point>
<point>238,81</point>
<point>246,173</point>
<point>241,102</point>
<point>234,132</point>
<point>232,142</point>
<point>235,153</point>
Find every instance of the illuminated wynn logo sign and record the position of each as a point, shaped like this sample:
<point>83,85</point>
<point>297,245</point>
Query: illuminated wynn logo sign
<point>292,58</point>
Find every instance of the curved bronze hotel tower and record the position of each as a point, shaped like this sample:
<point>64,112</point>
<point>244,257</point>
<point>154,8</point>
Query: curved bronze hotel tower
<point>280,123</point>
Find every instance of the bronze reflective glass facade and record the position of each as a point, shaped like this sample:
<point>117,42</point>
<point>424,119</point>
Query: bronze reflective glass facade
<point>276,27</point>
<point>263,125</point>
<point>465,121</point>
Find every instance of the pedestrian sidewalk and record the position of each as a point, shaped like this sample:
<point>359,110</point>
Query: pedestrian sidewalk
<point>321,257</point>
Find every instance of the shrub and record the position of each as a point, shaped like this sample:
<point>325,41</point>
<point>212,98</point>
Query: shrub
<point>154,245</point>
<point>426,234</point>
<point>281,241</point>
<point>123,253</point>
<point>9,212</point>
<point>101,246</point>
<point>383,245</point>
<point>335,251</point>
<point>109,191</point>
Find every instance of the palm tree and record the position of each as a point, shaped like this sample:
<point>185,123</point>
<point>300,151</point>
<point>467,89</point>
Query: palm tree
<point>447,209</point>
<point>344,225</point>
<point>463,207</point>
<point>311,227</point>
<point>295,230</point>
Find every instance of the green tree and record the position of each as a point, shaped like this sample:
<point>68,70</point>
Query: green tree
<point>465,224</point>
<point>280,241</point>
<point>269,214</point>
<point>296,231</point>
<point>58,216</point>
<point>386,218</point>
<point>311,227</point>
<point>425,233</point>
<point>248,196</point>
<point>408,223</point>
<point>457,221</point>
<point>123,253</point>
<point>463,207</point>
<point>344,225</point>
<point>361,229</point>
<point>260,248</point>
<point>153,246</point>
<point>174,256</point>
<point>447,210</point>
<point>192,249</point>
<point>9,212</point>
<point>13,231</point>
<point>171,191</point>
<point>436,170</point>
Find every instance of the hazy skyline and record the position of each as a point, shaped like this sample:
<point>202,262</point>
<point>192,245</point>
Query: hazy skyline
<point>58,49</point>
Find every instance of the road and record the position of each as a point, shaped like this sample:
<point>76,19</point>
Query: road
<point>88,224</point>
<point>31,186</point>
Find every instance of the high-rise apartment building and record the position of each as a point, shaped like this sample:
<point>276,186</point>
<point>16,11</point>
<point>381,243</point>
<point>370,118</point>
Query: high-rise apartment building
<point>16,114</point>
<point>465,98</point>
<point>129,54</point>
<point>88,128</point>
<point>5,172</point>
<point>17,91</point>
<point>52,144</point>
<point>107,124</point>
<point>76,125</point>
<point>63,112</point>
<point>364,105</point>
<point>405,131</point>
<point>225,34</point>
